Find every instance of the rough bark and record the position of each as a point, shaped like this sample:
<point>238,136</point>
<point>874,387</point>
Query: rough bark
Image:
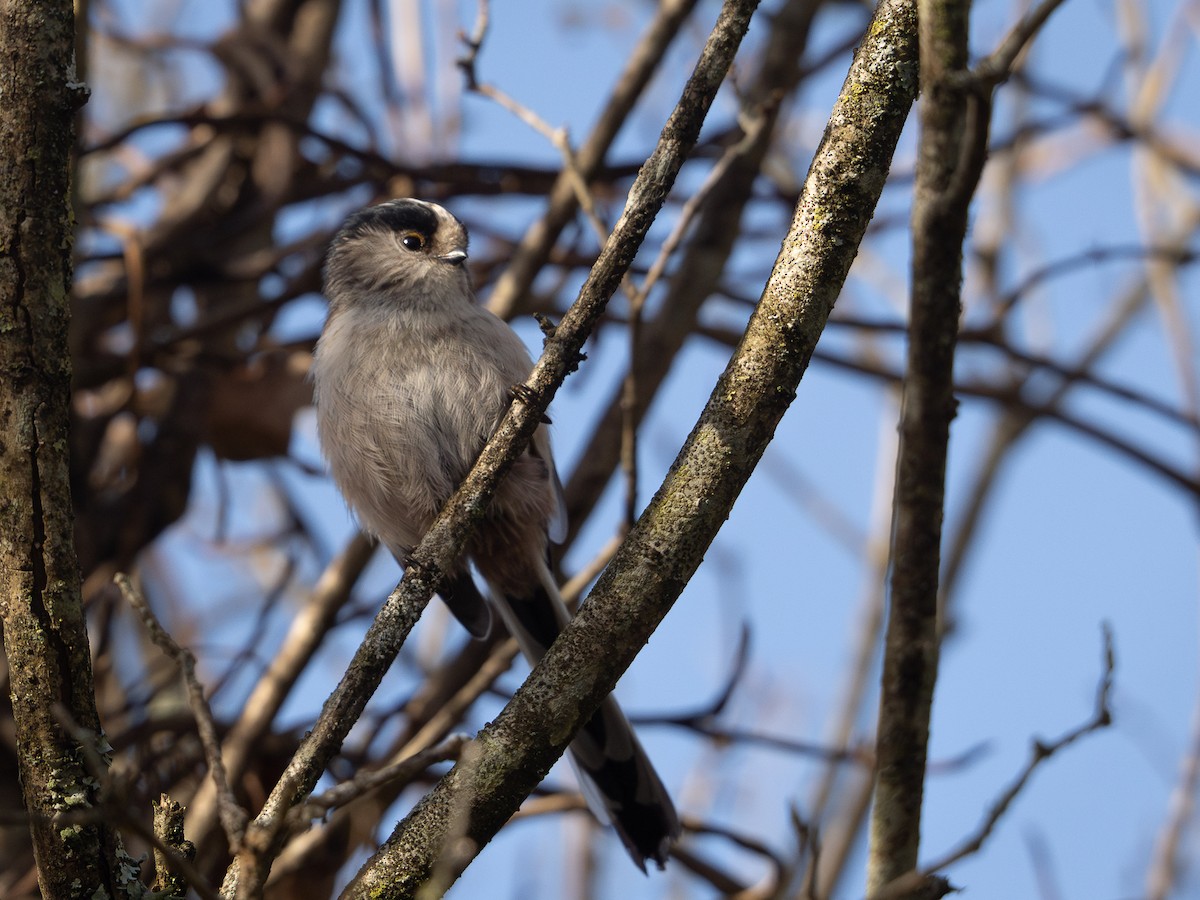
<point>944,185</point>
<point>444,541</point>
<point>669,541</point>
<point>45,638</point>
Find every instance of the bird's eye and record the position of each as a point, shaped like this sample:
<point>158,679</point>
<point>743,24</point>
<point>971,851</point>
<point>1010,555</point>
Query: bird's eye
<point>412,240</point>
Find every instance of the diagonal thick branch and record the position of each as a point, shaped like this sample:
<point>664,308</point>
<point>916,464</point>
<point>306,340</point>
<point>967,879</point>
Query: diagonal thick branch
<point>668,542</point>
<point>443,544</point>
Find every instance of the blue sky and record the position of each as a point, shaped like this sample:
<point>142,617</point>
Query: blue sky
<point>1075,536</point>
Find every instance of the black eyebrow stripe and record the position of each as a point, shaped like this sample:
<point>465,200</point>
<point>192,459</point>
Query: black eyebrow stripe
<point>395,215</point>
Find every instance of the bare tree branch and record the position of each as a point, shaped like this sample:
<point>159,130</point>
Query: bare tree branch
<point>44,632</point>
<point>666,545</point>
<point>927,406</point>
<point>1101,717</point>
<point>233,817</point>
<point>444,541</point>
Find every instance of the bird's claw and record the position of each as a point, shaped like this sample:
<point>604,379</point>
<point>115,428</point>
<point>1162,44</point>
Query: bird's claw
<point>526,395</point>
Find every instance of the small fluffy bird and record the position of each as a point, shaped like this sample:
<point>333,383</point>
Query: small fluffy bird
<point>411,378</point>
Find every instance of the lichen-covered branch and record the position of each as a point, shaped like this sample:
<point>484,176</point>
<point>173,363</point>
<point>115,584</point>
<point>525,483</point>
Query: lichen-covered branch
<point>939,223</point>
<point>448,534</point>
<point>668,542</point>
<point>45,638</point>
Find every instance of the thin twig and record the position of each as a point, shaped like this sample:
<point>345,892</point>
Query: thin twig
<point>1040,752</point>
<point>397,773</point>
<point>699,269</point>
<point>308,629</point>
<point>754,125</point>
<point>996,68</point>
<point>233,817</point>
<point>533,250</point>
<point>557,137</point>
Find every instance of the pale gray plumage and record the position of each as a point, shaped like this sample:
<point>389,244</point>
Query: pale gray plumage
<point>411,377</point>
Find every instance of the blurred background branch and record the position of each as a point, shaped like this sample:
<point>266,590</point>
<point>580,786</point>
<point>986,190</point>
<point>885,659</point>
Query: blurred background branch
<point>222,146</point>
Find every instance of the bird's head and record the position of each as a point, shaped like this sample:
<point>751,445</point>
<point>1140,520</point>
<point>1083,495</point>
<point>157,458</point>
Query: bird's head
<point>404,248</point>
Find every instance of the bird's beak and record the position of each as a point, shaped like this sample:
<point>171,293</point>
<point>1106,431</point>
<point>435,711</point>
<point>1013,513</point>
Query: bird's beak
<point>454,257</point>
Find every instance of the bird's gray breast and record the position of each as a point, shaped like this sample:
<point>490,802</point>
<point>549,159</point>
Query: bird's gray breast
<point>404,411</point>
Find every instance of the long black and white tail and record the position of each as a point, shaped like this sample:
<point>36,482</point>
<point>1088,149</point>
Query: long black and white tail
<point>620,784</point>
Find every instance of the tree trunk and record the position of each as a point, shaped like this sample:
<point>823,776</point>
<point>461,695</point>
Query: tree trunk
<point>45,637</point>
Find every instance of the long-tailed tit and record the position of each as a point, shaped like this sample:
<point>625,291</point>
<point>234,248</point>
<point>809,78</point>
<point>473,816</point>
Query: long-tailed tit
<point>411,378</point>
